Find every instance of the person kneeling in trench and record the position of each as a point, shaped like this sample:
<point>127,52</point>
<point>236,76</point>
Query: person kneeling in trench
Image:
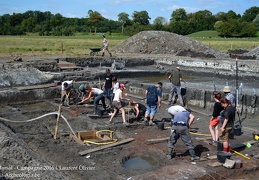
<point>180,128</point>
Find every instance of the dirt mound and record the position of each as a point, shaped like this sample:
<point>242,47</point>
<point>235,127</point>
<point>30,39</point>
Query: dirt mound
<point>254,52</point>
<point>19,75</point>
<point>161,42</point>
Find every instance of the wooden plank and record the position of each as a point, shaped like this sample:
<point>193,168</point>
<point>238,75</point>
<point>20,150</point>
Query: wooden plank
<point>212,157</point>
<point>215,164</point>
<point>159,140</point>
<point>82,153</point>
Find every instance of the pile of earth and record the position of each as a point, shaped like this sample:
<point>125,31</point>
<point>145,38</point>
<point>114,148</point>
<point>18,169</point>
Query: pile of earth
<point>254,52</point>
<point>22,75</point>
<point>161,42</point>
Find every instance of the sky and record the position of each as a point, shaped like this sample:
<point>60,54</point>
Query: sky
<point>111,8</point>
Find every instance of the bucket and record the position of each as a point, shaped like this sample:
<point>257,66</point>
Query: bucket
<point>222,156</point>
<point>161,125</point>
<point>219,146</point>
<point>237,130</point>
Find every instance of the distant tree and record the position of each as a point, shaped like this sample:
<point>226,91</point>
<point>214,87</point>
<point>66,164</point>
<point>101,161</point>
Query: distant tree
<point>179,15</point>
<point>159,23</point>
<point>221,16</point>
<point>89,12</point>
<point>141,17</point>
<point>256,22</point>
<point>16,19</point>
<point>56,20</point>
<point>231,15</point>
<point>29,24</point>
<point>235,28</point>
<point>123,19</point>
<point>250,14</point>
<point>94,19</point>
<point>203,20</point>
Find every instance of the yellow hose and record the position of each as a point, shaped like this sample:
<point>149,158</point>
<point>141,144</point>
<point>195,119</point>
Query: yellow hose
<point>103,143</point>
<point>200,134</point>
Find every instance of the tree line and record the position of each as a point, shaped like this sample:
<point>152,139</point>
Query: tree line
<point>228,24</point>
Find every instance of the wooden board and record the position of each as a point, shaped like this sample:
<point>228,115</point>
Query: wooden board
<point>82,153</point>
<point>159,140</point>
<point>215,164</point>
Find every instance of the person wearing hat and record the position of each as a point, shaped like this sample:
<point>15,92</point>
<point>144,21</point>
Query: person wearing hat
<point>175,78</point>
<point>108,85</point>
<point>229,95</point>
<point>180,129</point>
<point>105,46</point>
<point>117,104</point>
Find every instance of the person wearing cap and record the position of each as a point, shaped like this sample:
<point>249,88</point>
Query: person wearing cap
<point>105,46</point>
<point>108,85</point>
<point>66,88</point>
<point>117,104</point>
<point>153,102</point>
<point>180,129</point>
<point>98,95</point>
<point>175,78</point>
<point>138,109</point>
<point>229,95</point>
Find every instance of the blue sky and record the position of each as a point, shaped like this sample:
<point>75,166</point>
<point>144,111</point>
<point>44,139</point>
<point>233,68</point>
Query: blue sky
<point>111,8</point>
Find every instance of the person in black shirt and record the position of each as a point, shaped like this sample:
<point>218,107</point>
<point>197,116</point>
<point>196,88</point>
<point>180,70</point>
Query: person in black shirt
<point>108,85</point>
<point>138,109</point>
<point>214,120</point>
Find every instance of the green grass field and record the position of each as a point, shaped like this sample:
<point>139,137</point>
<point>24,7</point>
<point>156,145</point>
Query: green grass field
<point>80,44</point>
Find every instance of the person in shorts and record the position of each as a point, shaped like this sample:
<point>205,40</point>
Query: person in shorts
<point>228,123</point>
<point>117,104</point>
<point>215,118</point>
<point>153,102</point>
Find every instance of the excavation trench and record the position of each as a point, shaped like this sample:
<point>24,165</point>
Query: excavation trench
<point>61,156</point>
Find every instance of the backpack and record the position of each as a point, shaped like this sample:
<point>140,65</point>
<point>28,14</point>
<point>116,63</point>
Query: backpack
<point>152,94</point>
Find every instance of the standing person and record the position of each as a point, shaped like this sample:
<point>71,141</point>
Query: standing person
<point>181,124</point>
<point>108,85</point>
<point>66,88</point>
<point>138,109</point>
<point>153,100</point>
<point>115,85</point>
<point>228,123</point>
<point>215,118</point>
<point>229,95</point>
<point>98,94</point>
<point>117,104</point>
<point>105,46</point>
<point>176,77</point>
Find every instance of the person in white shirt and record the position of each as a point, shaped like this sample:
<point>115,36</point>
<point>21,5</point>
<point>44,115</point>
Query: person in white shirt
<point>117,104</point>
<point>66,88</point>
<point>98,94</point>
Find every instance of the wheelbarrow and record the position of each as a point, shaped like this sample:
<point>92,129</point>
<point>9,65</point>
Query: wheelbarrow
<point>95,51</point>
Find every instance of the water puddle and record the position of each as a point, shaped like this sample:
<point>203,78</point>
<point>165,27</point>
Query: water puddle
<point>138,163</point>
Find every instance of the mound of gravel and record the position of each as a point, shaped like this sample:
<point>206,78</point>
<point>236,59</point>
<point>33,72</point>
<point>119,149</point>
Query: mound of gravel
<point>254,52</point>
<point>162,42</point>
<point>19,75</point>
